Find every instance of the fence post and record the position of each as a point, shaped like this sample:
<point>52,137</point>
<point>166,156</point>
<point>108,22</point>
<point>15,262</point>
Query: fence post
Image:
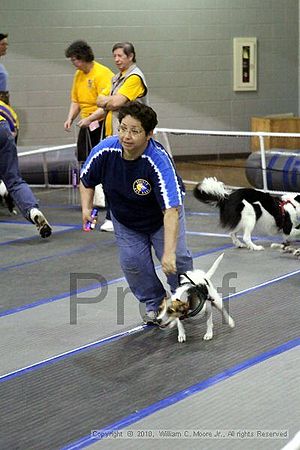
<point>263,162</point>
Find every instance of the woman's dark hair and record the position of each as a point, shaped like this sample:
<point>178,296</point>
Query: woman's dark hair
<point>127,47</point>
<point>3,36</point>
<point>146,115</point>
<point>80,50</point>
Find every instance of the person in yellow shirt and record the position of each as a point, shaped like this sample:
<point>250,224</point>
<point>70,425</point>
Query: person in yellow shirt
<point>8,114</point>
<point>128,85</point>
<point>90,80</point>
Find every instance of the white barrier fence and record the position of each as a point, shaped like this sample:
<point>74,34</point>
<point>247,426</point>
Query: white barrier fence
<point>261,135</point>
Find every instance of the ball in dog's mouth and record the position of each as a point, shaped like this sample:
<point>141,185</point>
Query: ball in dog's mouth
<point>169,324</point>
<point>164,326</point>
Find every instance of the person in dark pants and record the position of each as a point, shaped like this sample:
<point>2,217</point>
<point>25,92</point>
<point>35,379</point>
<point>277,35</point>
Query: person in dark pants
<point>90,79</point>
<point>19,190</point>
<point>145,196</point>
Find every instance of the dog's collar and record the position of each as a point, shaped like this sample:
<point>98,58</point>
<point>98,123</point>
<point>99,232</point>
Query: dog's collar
<point>282,204</point>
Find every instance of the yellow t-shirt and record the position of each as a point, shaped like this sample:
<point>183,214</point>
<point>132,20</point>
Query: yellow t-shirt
<point>8,114</point>
<point>132,88</point>
<point>87,86</point>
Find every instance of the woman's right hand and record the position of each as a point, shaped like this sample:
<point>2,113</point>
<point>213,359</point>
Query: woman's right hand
<point>86,217</point>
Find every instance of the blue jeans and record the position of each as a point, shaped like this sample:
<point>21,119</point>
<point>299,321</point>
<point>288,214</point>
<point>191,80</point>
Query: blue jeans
<point>10,174</point>
<point>137,262</point>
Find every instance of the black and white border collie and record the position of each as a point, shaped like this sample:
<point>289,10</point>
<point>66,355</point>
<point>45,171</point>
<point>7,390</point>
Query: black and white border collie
<point>196,289</point>
<point>241,210</point>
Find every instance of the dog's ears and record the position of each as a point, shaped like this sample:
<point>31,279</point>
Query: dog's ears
<point>184,308</point>
<point>287,224</point>
<point>168,300</point>
<point>163,307</point>
<point>180,307</point>
<point>214,267</point>
<point>297,198</point>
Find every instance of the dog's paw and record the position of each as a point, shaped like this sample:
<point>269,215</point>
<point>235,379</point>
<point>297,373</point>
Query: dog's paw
<point>277,246</point>
<point>256,248</point>
<point>231,322</point>
<point>289,249</point>
<point>208,336</point>
<point>181,337</point>
<point>240,245</point>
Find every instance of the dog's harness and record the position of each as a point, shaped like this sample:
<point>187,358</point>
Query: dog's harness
<point>282,205</point>
<point>282,211</point>
<point>200,292</point>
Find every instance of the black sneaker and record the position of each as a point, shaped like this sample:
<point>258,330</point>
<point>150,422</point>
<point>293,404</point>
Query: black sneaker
<point>150,318</point>
<point>41,223</point>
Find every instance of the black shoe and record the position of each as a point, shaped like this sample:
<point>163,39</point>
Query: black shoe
<point>150,318</point>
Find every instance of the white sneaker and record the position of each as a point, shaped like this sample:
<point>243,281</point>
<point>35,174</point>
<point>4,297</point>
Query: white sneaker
<point>38,218</point>
<point>4,195</point>
<point>3,190</point>
<point>99,197</point>
<point>107,226</point>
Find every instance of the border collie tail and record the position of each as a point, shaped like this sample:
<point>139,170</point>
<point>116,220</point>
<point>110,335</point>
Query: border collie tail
<point>211,191</point>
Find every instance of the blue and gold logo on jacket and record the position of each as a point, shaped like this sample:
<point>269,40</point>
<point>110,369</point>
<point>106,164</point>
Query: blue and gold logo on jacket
<point>141,187</point>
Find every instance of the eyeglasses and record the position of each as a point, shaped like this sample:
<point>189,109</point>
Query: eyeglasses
<point>135,132</point>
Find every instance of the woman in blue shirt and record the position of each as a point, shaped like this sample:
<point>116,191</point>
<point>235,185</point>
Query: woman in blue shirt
<point>145,196</point>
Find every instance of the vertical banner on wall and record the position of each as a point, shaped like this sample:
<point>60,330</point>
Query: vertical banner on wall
<point>245,64</point>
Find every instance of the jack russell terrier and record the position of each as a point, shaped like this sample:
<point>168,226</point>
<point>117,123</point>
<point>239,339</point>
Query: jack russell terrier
<point>196,293</point>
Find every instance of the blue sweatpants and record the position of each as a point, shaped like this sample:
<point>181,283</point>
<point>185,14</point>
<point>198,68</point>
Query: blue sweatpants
<point>10,174</point>
<point>137,261</point>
